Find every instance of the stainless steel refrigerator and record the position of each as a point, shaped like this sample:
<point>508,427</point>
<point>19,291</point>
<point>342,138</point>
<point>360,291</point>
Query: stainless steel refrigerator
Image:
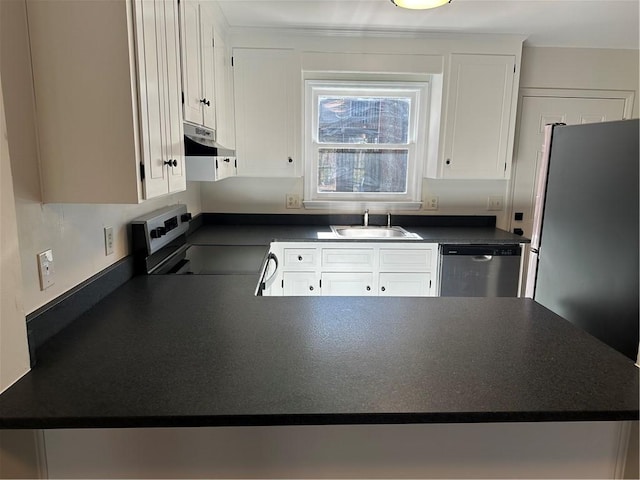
<point>583,263</point>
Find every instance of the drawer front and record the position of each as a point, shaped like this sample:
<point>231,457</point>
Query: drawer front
<point>300,258</point>
<point>406,260</point>
<point>347,259</point>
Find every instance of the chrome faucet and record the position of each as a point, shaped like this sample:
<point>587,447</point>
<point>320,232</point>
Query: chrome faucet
<point>366,217</point>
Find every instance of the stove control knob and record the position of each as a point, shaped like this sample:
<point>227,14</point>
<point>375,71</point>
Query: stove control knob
<point>158,232</point>
<point>185,217</point>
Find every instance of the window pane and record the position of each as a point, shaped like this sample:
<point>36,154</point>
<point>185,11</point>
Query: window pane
<point>363,119</point>
<point>362,170</point>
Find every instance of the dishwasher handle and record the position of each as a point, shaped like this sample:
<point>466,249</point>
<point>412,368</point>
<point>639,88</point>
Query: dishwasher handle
<point>482,258</point>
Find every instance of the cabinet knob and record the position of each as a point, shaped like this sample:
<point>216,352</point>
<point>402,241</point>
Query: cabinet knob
<point>205,101</point>
<point>171,163</point>
<point>227,160</point>
<point>368,288</point>
<point>448,162</point>
<point>383,289</point>
<point>290,160</point>
<point>299,258</point>
<point>311,287</point>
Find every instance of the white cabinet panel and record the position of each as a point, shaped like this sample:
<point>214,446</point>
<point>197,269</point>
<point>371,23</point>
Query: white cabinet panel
<point>407,260</point>
<point>300,284</point>
<point>480,115</point>
<point>405,285</point>
<point>300,258</point>
<point>347,284</point>
<point>191,64</point>
<point>266,91</point>
<point>347,259</point>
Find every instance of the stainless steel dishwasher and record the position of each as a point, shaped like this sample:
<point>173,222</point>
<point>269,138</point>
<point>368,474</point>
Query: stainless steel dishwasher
<point>479,270</point>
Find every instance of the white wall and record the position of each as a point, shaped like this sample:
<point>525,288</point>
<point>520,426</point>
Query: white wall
<point>74,232</point>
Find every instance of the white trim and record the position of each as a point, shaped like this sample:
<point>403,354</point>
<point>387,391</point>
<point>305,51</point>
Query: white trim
<point>419,119</point>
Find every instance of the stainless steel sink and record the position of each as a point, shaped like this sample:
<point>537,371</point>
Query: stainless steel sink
<point>372,232</point>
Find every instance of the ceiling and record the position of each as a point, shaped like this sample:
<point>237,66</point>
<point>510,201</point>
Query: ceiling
<point>559,23</point>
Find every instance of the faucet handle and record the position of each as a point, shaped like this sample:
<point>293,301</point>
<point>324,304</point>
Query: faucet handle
<point>388,219</point>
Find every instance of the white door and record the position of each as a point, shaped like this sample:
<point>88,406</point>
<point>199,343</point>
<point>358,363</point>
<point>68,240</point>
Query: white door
<point>405,284</point>
<point>535,113</point>
<point>348,284</point>
<point>300,284</point>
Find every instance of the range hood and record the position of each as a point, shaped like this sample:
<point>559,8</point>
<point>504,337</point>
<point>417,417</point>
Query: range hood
<point>201,141</point>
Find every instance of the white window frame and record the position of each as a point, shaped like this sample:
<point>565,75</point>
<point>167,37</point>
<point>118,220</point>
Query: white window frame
<point>416,145</point>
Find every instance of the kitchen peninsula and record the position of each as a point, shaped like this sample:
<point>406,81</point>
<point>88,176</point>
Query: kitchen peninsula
<point>203,351</point>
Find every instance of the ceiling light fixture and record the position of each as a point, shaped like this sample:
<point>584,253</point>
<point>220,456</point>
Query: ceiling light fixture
<point>419,4</point>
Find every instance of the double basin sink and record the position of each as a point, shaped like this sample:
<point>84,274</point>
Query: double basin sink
<point>372,232</point>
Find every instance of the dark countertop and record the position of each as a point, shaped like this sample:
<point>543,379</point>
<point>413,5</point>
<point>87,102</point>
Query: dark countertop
<point>264,234</point>
<point>203,350</point>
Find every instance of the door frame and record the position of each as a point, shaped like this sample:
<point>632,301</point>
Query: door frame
<point>627,95</point>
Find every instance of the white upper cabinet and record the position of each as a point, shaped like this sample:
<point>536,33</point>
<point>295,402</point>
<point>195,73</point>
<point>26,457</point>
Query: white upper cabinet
<point>267,84</point>
<point>197,26</point>
<point>107,92</point>
<point>479,118</point>
<point>225,123</point>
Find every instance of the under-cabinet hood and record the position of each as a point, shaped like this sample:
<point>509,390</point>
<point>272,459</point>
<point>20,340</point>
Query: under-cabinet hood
<point>201,141</point>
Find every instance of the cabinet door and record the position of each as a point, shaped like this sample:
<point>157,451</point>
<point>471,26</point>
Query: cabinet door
<point>348,259</point>
<point>207,39</point>
<point>225,118</point>
<point>174,137</point>
<point>405,285</point>
<point>348,284</point>
<point>150,50</point>
<point>191,66</point>
<point>266,84</point>
<point>478,117</point>
<point>300,284</point>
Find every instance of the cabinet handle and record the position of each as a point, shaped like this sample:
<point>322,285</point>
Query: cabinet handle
<point>383,289</point>
<point>205,101</point>
<point>310,287</point>
<point>227,160</point>
<point>299,258</point>
<point>290,160</point>
<point>171,163</point>
<point>368,288</point>
<point>448,162</point>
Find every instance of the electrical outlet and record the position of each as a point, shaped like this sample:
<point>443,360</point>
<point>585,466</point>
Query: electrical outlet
<point>495,202</point>
<point>293,200</point>
<point>45,269</point>
<point>431,203</point>
<point>108,240</point>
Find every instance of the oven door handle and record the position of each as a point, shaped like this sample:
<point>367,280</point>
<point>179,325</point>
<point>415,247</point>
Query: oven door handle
<point>262,285</point>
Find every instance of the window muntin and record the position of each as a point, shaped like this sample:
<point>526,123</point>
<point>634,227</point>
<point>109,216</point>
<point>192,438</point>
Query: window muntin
<point>364,141</point>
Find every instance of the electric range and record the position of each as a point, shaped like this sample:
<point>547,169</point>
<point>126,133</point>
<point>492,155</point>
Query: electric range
<point>160,247</point>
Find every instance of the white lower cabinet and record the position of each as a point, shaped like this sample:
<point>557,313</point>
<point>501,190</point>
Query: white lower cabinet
<point>347,284</point>
<point>405,284</point>
<point>354,269</point>
<point>295,284</point>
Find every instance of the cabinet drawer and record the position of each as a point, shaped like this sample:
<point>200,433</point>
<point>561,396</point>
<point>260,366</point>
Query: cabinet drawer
<point>347,259</point>
<point>300,258</point>
<point>406,260</point>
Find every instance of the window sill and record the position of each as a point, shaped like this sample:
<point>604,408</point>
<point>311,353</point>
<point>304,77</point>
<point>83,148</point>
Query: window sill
<point>360,205</point>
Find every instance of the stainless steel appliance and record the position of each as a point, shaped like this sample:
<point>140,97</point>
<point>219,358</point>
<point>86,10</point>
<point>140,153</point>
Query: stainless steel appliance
<point>479,270</point>
<point>583,263</point>
<point>160,246</point>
